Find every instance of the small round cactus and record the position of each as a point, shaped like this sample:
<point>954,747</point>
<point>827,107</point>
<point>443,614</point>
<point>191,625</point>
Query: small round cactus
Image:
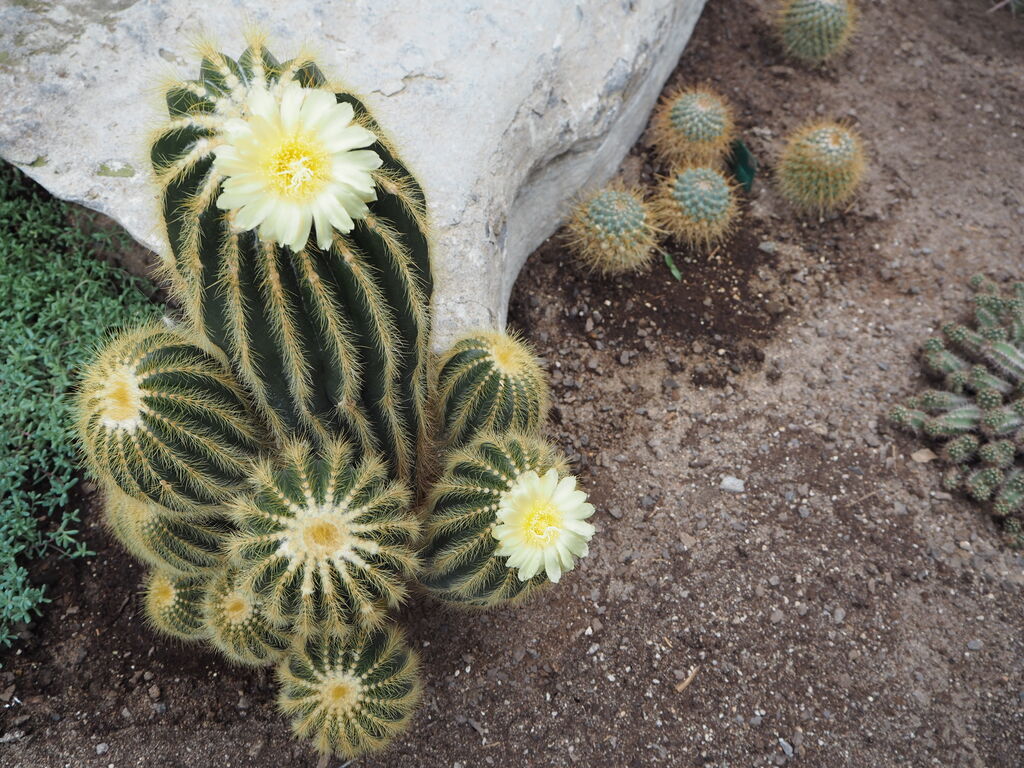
<point>490,381</point>
<point>611,232</point>
<point>159,537</point>
<point>173,604</point>
<point>822,166</point>
<point>813,31</point>
<point>697,205</point>
<point>238,626</point>
<point>504,520</point>
<point>692,126</point>
<point>325,540</point>
<point>161,418</point>
<point>349,694</point>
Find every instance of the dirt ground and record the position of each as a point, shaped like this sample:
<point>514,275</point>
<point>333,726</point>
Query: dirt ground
<point>840,611</point>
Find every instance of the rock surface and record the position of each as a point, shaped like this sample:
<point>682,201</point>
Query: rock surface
<point>503,109</point>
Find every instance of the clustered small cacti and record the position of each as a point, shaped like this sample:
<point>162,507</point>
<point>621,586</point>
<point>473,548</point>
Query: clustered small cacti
<point>822,166</point>
<point>813,31</point>
<point>979,412</point>
<point>264,457</point>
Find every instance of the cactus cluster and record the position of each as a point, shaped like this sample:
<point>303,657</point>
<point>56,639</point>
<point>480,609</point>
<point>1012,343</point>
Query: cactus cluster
<point>822,166</point>
<point>978,413</point>
<point>813,31</point>
<point>266,456</point>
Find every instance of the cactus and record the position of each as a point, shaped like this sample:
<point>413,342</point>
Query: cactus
<point>464,562</point>
<point>329,333</point>
<point>349,694</point>
<point>325,540</point>
<point>237,624</point>
<point>173,604</point>
<point>694,125</point>
<point>814,31</point>
<point>980,413</point>
<point>159,537</point>
<point>822,166</point>
<point>160,418</point>
<point>490,381</point>
<point>611,232</point>
<point>697,205</point>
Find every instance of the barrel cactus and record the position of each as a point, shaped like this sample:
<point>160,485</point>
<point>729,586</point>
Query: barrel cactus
<point>299,246</point>
<point>160,417</point>
<point>978,413</point>
<point>490,381</point>
<point>237,624</point>
<point>822,166</point>
<point>174,604</point>
<point>349,694</point>
<point>611,232</point>
<point>161,538</point>
<point>504,520</point>
<point>697,205</point>
<point>327,539</point>
<point>694,125</point>
<point>814,31</point>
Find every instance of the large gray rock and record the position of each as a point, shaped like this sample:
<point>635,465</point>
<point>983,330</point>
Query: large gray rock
<point>505,109</point>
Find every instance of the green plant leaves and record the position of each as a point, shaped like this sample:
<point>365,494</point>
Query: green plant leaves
<point>742,164</point>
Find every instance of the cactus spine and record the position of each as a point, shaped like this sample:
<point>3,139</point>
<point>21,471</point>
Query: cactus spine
<point>461,564</point>
<point>697,205</point>
<point>694,125</point>
<point>160,418</point>
<point>822,166</point>
<point>159,537</point>
<point>350,694</point>
<point>490,381</point>
<point>173,604</point>
<point>330,338</point>
<point>611,232</point>
<point>814,31</point>
<point>237,624</point>
<point>326,540</point>
<point>980,412</point>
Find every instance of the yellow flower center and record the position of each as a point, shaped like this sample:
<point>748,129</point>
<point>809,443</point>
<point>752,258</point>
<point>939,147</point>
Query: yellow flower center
<point>121,399</point>
<point>163,592</point>
<point>322,538</point>
<point>236,608</point>
<point>508,356</point>
<point>542,522</point>
<point>298,168</point>
<point>341,695</point>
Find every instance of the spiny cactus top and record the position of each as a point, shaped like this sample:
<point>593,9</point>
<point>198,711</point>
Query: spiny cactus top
<point>814,31</point>
<point>693,125</point>
<point>161,418</point>
<point>504,520</point>
<point>611,232</point>
<point>697,205</point>
<point>822,166</point>
<point>237,623</point>
<point>328,334</point>
<point>490,381</point>
<point>350,694</point>
<point>980,410</point>
<point>173,604</point>
<point>327,540</point>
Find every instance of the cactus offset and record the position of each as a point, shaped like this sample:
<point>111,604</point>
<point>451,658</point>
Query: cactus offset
<point>980,414</point>
<point>611,232</point>
<point>463,553</point>
<point>326,540</point>
<point>822,166</point>
<point>490,381</point>
<point>173,604</point>
<point>237,624</point>
<point>696,205</point>
<point>160,418</point>
<point>161,538</point>
<point>349,694</point>
<point>694,125</point>
<point>814,31</point>
<point>328,333</point>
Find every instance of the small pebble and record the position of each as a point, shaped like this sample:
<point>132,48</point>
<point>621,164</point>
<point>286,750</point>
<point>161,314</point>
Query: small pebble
<point>102,747</point>
<point>732,484</point>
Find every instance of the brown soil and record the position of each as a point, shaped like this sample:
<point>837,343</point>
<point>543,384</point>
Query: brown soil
<point>839,612</point>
